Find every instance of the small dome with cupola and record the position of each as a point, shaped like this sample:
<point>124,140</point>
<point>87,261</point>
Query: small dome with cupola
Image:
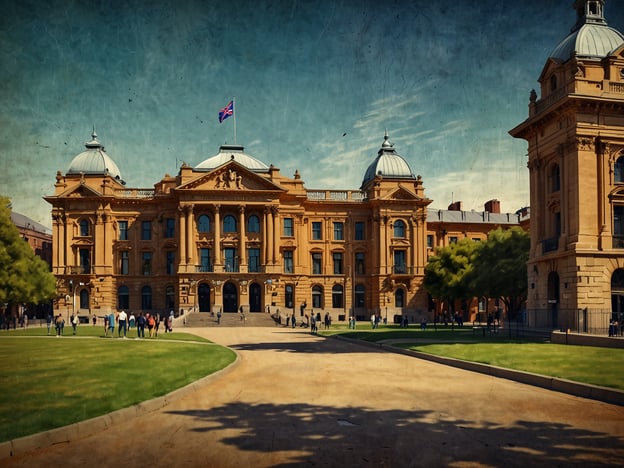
<point>388,164</point>
<point>94,161</point>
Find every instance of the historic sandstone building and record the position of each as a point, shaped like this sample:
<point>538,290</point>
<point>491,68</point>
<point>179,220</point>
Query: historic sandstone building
<point>575,134</point>
<point>233,233</point>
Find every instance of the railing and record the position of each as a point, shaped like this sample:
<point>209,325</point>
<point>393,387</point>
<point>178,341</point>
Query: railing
<point>203,268</point>
<point>136,193</point>
<point>616,87</point>
<point>590,321</point>
<point>79,270</point>
<point>336,195</point>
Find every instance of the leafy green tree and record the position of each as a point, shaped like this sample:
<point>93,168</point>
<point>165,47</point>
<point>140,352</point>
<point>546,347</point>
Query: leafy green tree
<point>500,267</point>
<point>448,272</point>
<point>24,277</point>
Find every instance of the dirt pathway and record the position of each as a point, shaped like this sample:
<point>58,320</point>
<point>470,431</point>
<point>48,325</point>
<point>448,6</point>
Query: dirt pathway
<point>295,399</point>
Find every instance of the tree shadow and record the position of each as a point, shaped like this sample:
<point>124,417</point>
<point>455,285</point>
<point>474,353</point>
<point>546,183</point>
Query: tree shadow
<point>315,347</point>
<point>329,436</point>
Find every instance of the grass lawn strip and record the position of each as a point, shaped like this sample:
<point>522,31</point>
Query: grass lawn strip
<point>54,382</point>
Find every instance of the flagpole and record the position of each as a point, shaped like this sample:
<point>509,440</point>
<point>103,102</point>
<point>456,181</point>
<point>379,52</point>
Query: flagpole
<point>234,109</point>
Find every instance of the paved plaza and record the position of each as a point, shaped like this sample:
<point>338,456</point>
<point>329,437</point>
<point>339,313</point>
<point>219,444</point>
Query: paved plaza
<point>294,399</point>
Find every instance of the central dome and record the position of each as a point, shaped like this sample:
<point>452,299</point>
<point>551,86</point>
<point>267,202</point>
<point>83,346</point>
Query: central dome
<point>388,164</point>
<point>590,36</point>
<point>232,153</point>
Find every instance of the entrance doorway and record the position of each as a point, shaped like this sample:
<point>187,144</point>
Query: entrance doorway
<point>204,297</point>
<point>230,297</point>
<point>255,298</point>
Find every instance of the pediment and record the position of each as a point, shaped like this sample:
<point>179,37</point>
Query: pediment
<point>230,177</point>
<point>80,191</point>
<point>401,193</point>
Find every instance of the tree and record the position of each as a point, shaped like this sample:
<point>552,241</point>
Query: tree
<point>24,277</point>
<point>448,272</point>
<point>500,267</point>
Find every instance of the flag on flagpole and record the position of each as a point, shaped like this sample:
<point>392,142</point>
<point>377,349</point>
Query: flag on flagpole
<point>226,112</point>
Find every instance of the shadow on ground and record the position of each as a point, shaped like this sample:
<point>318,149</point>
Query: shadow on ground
<point>328,436</point>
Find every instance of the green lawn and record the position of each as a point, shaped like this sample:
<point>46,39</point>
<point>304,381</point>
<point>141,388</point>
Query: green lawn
<point>50,382</point>
<point>587,364</point>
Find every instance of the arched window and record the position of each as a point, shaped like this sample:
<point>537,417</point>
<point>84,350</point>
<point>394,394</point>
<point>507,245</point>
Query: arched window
<point>399,228</point>
<point>399,298</point>
<point>317,297</point>
<point>618,170</point>
<point>253,224</point>
<point>337,296</point>
<point>229,224</point>
<point>203,223</point>
<point>123,298</point>
<point>146,298</point>
<point>84,227</point>
<point>84,299</point>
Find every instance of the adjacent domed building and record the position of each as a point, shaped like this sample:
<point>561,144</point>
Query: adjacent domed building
<point>575,135</point>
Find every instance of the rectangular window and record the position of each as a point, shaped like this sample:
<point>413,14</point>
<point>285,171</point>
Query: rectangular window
<point>317,263</point>
<point>147,263</point>
<point>254,260</point>
<point>124,262</point>
<point>338,231</point>
<point>360,263</point>
<point>146,230</point>
<point>452,239</point>
<point>288,261</point>
<point>169,228</point>
<point>170,262</point>
<point>430,241</point>
<point>359,230</point>
<point>317,230</point>
<point>338,270</point>
<point>85,260</point>
<point>288,227</point>
<point>399,262</point>
<point>205,265</point>
<point>231,259</point>
<point>123,230</point>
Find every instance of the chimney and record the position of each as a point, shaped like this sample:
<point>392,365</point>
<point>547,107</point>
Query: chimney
<point>455,206</point>
<point>492,206</point>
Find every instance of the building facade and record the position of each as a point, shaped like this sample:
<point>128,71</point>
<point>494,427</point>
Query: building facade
<point>233,234</point>
<point>575,135</point>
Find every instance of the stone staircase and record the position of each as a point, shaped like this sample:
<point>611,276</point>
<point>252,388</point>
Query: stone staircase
<point>230,319</point>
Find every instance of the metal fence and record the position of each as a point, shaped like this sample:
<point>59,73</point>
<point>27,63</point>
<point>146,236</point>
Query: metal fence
<point>590,321</point>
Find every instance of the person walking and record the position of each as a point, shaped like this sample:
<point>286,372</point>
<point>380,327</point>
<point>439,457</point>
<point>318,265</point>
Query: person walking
<point>123,323</point>
<point>141,326</point>
<point>111,324</point>
<point>59,323</point>
<point>74,322</point>
<point>49,322</point>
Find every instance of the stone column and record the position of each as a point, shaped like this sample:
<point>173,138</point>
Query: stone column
<point>182,247</point>
<point>217,238</point>
<point>242,244</point>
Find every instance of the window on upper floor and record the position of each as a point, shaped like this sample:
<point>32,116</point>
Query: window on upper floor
<point>338,231</point>
<point>203,223</point>
<point>317,230</point>
<point>146,230</point>
<point>618,226</point>
<point>430,241</point>
<point>124,262</point>
<point>123,230</point>
<point>147,263</point>
<point>360,263</point>
<point>359,230</point>
<point>553,82</point>
<point>253,224</point>
<point>555,178</point>
<point>229,223</point>
<point>84,227</point>
<point>618,170</point>
<point>338,264</point>
<point>399,228</point>
<point>288,227</point>
<point>288,261</point>
<point>317,263</point>
<point>169,227</point>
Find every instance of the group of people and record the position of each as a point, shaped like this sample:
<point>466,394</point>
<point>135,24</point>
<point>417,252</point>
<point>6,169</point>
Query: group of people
<point>126,323</point>
<point>613,328</point>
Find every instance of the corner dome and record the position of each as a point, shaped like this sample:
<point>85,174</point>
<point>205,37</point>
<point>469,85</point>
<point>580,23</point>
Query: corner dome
<point>232,153</point>
<point>590,37</point>
<point>94,161</point>
<point>388,164</point>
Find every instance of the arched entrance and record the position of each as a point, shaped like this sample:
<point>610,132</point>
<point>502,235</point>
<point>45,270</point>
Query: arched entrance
<point>553,298</point>
<point>203,301</point>
<point>255,298</point>
<point>617,294</point>
<point>230,297</point>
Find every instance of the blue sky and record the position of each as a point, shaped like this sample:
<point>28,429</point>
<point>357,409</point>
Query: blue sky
<point>316,84</point>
